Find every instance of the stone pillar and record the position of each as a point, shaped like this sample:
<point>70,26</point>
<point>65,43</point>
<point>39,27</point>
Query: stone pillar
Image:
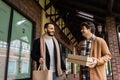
<point>113,46</point>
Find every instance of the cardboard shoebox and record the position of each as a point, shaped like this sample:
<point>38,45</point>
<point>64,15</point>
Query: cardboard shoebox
<point>78,59</point>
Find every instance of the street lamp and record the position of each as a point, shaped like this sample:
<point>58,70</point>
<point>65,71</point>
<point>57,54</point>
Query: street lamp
<point>99,28</point>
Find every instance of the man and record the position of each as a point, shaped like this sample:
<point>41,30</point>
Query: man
<point>96,48</point>
<point>46,49</point>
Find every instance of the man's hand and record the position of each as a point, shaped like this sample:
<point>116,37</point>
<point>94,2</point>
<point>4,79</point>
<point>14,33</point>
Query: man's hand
<point>93,64</point>
<point>41,60</point>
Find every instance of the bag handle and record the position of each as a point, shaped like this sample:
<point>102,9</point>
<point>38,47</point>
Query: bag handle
<point>42,66</point>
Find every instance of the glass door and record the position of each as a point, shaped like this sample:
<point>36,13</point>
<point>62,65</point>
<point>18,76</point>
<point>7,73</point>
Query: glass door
<point>5,11</point>
<point>20,47</point>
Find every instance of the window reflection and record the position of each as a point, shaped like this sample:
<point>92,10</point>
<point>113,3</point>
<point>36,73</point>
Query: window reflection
<point>12,67</point>
<point>3,44</point>
<point>24,67</point>
<point>19,57</point>
<point>20,22</point>
<point>25,48</point>
<point>3,51</point>
<point>15,45</point>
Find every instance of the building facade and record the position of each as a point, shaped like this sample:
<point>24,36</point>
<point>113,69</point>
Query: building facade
<point>22,21</point>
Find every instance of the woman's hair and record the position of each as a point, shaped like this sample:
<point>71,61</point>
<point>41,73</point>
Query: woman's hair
<point>89,25</point>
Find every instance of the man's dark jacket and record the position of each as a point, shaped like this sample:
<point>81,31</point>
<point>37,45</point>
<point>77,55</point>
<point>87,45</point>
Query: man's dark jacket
<point>35,54</point>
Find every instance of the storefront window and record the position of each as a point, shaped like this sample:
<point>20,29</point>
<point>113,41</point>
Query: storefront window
<point>15,48</point>
<point>20,47</point>
<point>4,25</point>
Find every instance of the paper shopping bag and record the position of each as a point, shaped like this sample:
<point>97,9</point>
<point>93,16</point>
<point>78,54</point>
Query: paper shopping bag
<point>42,75</point>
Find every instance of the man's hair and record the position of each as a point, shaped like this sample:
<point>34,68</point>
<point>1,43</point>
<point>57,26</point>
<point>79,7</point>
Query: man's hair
<point>89,25</point>
<point>46,25</point>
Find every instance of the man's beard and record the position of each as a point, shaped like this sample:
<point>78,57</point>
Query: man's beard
<point>49,34</point>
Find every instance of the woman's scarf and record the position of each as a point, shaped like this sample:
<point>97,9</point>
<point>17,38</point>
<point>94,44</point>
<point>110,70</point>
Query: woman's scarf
<point>43,52</point>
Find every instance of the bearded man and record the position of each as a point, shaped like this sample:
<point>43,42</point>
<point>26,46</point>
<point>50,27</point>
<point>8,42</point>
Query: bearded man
<point>48,45</point>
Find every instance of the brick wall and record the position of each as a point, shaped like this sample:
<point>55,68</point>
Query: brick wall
<point>113,46</point>
<point>30,9</point>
